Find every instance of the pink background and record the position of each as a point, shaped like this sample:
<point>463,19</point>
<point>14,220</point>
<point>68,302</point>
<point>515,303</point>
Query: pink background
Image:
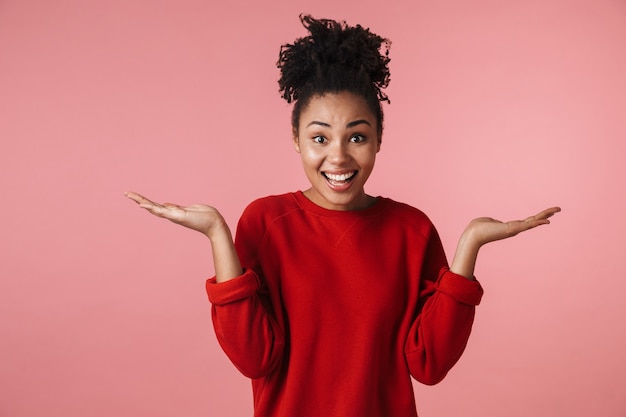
<point>499,108</point>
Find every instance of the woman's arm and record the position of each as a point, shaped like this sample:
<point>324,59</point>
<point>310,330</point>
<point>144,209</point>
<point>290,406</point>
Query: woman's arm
<point>484,230</point>
<point>206,220</point>
<point>247,332</point>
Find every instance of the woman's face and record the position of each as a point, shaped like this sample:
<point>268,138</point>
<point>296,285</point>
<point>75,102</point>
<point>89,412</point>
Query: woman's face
<point>338,139</point>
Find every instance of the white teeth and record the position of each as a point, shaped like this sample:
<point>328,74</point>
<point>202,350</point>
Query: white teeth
<point>339,177</point>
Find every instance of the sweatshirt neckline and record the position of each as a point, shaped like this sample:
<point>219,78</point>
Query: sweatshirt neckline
<point>310,206</point>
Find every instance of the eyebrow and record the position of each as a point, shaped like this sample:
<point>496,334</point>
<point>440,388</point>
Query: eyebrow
<point>349,125</point>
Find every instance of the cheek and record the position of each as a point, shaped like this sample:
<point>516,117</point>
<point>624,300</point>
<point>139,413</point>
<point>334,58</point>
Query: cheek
<point>310,157</point>
<point>367,159</point>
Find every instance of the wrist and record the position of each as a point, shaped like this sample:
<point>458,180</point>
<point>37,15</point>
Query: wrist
<point>218,230</point>
<point>469,241</point>
<point>465,256</point>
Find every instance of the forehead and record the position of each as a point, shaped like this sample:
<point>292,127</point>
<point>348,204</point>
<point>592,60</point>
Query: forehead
<point>336,109</point>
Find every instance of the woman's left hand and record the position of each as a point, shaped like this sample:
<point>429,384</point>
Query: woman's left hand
<point>485,229</point>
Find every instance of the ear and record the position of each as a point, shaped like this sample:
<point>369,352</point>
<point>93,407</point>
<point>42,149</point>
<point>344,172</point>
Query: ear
<point>380,141</point>
<point>296,140</point>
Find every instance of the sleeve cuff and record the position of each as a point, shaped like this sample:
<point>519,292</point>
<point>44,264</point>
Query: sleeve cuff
<point>467,291</point>
<point>232,290</point>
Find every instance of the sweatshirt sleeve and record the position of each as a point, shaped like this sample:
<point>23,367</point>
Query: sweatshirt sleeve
<point>242,314</point>
<point>440,331</point>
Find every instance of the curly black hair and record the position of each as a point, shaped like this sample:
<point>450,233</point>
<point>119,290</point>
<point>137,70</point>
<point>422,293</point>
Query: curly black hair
<point>334,58</point>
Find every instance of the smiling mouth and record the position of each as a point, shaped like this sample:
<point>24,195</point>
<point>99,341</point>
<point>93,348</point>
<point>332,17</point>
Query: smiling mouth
<point>339,179</point>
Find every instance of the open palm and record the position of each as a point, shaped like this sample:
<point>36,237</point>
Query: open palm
<point>486,229</point>
<point>200,217</point>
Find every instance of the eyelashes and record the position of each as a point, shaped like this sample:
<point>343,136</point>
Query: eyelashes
<point>356,138</point>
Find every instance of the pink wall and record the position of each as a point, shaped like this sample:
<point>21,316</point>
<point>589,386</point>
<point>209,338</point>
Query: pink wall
<point>498,108</point>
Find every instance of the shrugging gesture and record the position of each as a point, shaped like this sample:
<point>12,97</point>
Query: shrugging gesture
<point>338,281</point>
<point>484,230</point>
<point>206,220</point>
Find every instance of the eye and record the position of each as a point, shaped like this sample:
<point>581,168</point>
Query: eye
<point>357,138</point>
<point>319,139</point>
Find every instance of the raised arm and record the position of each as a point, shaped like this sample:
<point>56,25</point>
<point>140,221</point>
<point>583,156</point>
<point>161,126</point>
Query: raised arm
<point>206,220</point>
<point>484,230</point>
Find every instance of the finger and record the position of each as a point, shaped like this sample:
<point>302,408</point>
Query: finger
<point>537,222</point>
<point>545,214</point>
<point>151,206</point>
<point>551,211</point>
<point>534,221</point>
<point>138,198</point>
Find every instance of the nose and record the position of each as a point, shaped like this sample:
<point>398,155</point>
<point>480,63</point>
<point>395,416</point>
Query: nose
<point>338,152</point>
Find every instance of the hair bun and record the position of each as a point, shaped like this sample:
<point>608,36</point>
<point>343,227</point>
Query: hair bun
<point>333,50</point>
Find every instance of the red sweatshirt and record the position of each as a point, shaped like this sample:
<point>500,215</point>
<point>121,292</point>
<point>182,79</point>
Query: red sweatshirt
<point>336,309</point>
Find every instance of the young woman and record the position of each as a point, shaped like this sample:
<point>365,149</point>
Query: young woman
<point>331,299</point>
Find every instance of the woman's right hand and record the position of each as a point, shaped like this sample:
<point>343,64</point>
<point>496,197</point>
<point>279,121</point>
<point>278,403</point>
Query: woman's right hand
<point>205,219</point>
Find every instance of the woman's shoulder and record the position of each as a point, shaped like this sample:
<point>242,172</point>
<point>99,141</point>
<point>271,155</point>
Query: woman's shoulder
<point>404,209</point>
<point>262,214</point>
<point>407,214</point>
<point>271,206</point>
